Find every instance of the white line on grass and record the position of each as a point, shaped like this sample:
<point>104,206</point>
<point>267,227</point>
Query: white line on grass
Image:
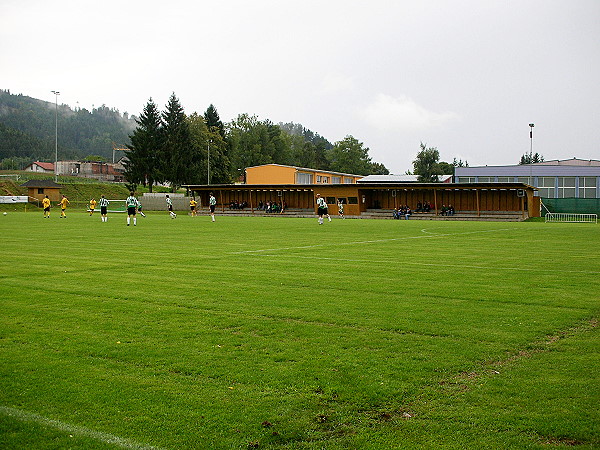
<point>72,429</point>
<point>412,263</point>
<point>374,241</point>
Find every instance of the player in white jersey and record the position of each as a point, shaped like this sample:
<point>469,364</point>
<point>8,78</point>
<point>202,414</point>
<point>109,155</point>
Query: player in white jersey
<point>132,204</point>
<point>212,202</point>
<point>103,208</point>
<point>322,209</point>
<point>170,207</point>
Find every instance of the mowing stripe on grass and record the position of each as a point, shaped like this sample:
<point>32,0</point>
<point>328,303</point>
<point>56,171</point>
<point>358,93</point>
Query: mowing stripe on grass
<point>374,241</point>
<point>412,263</point>
<point>73,429</point>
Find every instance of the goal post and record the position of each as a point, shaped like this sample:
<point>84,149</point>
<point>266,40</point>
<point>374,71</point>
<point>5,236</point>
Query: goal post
<point>571,217</point>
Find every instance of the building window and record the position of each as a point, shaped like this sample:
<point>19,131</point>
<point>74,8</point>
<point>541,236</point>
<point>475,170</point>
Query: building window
<point>303,178</point>
<point>546,187</point>
<point>465,179</point>
<point>353,200</point>
<point>485,179</point>
<point>566,187</point>
<point>525,180</point>
<point>325,180</point>
<point>40,190</point>
<point>348,180</point>
<point>330,200</point>
<point>504,179</point>
<point>587,187</point>
<point>336,180</point>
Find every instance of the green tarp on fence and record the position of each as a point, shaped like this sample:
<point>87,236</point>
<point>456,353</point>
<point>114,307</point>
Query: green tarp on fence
<point>571,205</point>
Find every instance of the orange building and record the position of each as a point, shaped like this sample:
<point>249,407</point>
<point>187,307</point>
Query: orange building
<point>291,175</point>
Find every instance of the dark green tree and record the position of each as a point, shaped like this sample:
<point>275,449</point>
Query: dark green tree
<point>212,120</point>
<point>180,158</point>
<point>143,157</point>
<point>205,141</point>
<point>426,164</point>
<point>529,158</point>
<point>350,156</point>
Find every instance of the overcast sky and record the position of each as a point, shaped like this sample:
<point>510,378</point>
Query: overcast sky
<point>464,76</point>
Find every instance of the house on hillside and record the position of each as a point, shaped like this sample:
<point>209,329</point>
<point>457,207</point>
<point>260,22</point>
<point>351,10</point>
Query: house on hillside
<point>38,189</point>
<point>92,169</point>
<point>40,167</point>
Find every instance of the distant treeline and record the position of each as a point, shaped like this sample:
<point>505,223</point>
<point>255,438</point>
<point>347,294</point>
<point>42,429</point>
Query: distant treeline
<point>27,133</point>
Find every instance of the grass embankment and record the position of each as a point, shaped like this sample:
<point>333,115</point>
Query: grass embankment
<point>280,333</point>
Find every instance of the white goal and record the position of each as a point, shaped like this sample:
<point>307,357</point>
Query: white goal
<point>571,217</point>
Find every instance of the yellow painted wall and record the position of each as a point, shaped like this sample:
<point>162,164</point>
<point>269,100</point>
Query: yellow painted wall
<point>270,174</point>
<point>274,174</point>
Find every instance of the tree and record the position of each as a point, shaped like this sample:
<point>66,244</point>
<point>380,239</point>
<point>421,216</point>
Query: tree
<point>204,140</point>
<point>143,157</point>
<point>379,169</point>
<point>529,158</point>
<point>446,168</point>
<point>212,120</point>
<point>349,156</point>
<point>426,164</point>
<point>180,158</point>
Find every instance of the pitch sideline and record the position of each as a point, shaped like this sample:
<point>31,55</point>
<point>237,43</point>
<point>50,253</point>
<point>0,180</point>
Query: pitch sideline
<point>25,416</point>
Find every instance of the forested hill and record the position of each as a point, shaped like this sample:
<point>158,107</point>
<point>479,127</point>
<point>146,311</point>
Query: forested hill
<point>27,129</point>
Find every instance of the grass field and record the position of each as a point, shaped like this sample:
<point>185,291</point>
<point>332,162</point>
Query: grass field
<point>279,333</point>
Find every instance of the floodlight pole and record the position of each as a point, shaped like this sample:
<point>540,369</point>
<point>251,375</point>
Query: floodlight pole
<point>531,125</point>
<point>209,141</point>
<point>56,94</point>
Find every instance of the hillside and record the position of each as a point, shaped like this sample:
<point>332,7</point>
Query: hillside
<point>27,129</point>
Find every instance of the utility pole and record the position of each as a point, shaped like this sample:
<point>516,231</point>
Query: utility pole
<point>56,94</point>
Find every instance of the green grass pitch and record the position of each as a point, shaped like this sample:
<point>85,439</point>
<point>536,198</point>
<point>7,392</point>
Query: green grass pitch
<point>281,333</point>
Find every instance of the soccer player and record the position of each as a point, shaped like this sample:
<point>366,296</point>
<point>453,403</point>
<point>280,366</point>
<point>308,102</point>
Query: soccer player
<point>93,204</point>
<point>322,209</point>
<point>212,202</point>
<point>341,208</point>
<point>193,204</point>
<point>64,201</point>
<point>170,207</point>
<point>139,208</point>
<point>46,205</point>
<point>132,204</point>
<point>103,208</point>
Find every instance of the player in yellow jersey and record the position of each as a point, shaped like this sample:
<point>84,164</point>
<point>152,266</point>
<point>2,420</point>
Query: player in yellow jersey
<point>93,204</point>
<point>193,204</point>
<point>46,205</point>
<point>64,201</point>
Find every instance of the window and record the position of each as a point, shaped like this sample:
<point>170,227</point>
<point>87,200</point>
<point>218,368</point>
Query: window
<point>330,200</point>
<point>325,180</point>
<point>485,179</point>
<point>587,187</point>
<point>465,179</point>
<point>504,179</point>
<point>546,187</point>
<point>40,190</point>
<point>336,180</point>
<point>342,200</point>
<point>525,180</point>
<point>319,178</point>
<point>303,178</point>
<point>353,200</point>
<point>566,187</point>
<point>348,180</point>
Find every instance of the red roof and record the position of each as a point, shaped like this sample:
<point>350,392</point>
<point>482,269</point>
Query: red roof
<point>45,165</point>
